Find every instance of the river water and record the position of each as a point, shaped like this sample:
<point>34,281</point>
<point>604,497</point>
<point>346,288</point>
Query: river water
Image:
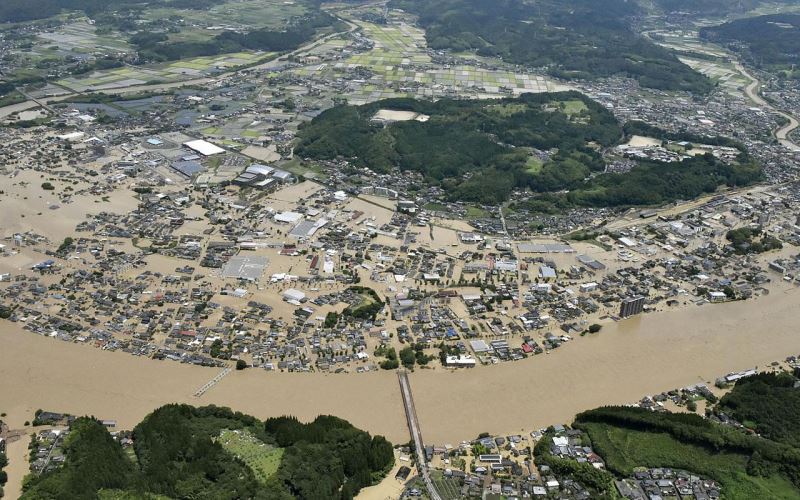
<point>625,361</point>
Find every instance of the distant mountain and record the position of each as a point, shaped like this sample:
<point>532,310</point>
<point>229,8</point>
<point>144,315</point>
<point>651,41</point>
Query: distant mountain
<point>573,38</point>
<point>714,7</point>
<point>772,41</point>
<point>28,10</point>
<point>719,7</point>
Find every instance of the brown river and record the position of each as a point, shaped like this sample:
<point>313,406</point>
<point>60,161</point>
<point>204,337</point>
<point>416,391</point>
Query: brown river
<point>624,362</point>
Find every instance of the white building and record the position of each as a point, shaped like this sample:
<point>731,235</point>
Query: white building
<point>292,295</point>
<point>204,148</point>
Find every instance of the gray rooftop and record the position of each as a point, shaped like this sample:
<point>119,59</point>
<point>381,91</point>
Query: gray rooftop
<point>248,268</point>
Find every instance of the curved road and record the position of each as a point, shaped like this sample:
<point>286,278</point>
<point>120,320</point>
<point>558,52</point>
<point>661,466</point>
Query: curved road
<point>752,91</point>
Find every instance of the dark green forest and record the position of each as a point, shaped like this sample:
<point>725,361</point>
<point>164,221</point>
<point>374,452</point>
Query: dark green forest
<point>480,151</point>
<point>176,455</point>
<point>154,47</point>
<point>28,10</point>
<point>765,41</point>
<point>746,466</point>
<point>475,149</point>
<point>769,403</point>
<point>718,7</point>
<point>573,38</point>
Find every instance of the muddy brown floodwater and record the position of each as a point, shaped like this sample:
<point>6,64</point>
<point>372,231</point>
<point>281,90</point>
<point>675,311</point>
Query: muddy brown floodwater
<point>624,362</point>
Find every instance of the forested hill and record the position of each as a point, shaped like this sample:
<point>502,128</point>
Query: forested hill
<point>747,465</point>
<point>481,150</point>
<point>27,10</point>
<point>478,150</point>
<point>713,7</point>
<point>573,38</point>
<point>772,40</point>
<point>214,453</point>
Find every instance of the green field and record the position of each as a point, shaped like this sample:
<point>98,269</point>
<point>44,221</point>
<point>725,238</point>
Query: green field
<point>435,207</point>
<point>624,449</point>
<point>399,59</point>
<point>573,106</point>
<point>448,488</point>
<point>185,69</point>
<point>272,14</point>
<point>477,213</point>
<point>534,165</point>
<point>262,458</point>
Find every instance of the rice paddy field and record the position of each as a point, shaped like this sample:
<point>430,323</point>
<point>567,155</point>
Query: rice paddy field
<point>706,58</point>
<point>199,25</point>
<point>80,36</point>
<point>240,127</point>
<point>400,65</point>
<point>185,69</point>
<point>75,38</point>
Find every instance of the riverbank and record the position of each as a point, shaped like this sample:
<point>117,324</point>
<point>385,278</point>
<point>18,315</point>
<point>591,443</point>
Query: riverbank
<point>752,91</point>
<point>624,362</point>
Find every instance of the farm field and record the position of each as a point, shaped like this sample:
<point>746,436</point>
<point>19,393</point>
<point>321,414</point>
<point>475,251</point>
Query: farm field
<point>184,69</point>
<point>402,67</point>
<point>205,24</point>
<point>712,61</point>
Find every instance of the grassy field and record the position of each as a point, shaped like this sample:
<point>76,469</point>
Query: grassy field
<point>507,109</point>
<point>477,213</point>
<point>435,207</point>
<point>306,169</point>
<point>573,107</point>
<point>262,458</point>
<point>13,97</point>
<point>533,165</point>
<point>624,449</point>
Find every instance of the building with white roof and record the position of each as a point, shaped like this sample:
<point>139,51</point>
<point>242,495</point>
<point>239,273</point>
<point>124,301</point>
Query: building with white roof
<point>204,148</point>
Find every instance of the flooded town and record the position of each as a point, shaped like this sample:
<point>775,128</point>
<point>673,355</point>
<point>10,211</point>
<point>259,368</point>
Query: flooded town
<point>180,231</point>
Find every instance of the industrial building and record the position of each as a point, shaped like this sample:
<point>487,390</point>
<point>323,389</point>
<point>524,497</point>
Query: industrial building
<point>204,148</point>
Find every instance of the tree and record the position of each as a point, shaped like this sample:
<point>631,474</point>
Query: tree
<point>241,364</point>
<point>594,328</point>
<point>408,356</point>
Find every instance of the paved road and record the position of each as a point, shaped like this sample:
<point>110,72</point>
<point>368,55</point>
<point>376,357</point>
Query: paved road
<point>416,433</point>
<point>752,91</point>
